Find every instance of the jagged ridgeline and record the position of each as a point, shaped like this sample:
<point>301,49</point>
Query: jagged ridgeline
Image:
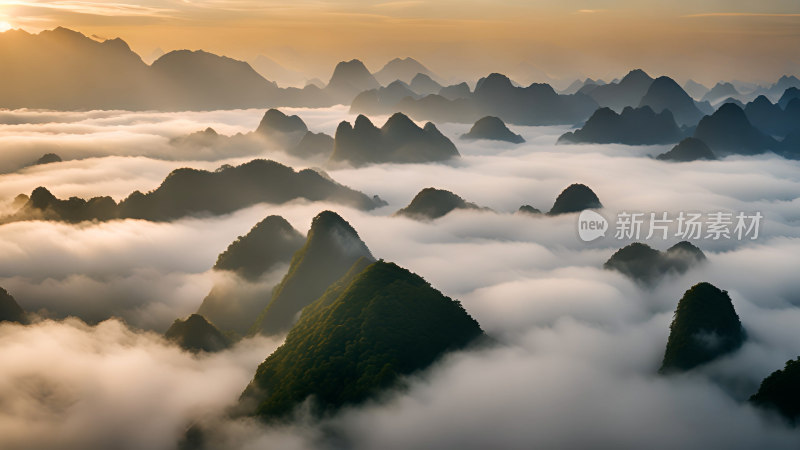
<point>373,326</point>
<point>705,327</point>
<point>331,248</point>
<point>191,191</point>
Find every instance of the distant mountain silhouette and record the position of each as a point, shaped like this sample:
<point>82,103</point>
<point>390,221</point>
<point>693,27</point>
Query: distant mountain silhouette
<point>10,311</point>
<point>689,149</point>
<point>721,91</point>
<point>234,302</point>
<point>431,203</point>
<point>695,89</point>
<point>269,242</point>
<point>423,84</point>
<point>790,146</point>
<point>704,328</point>
<point>771,118</point>
<point>537,104</point>
<point>400,140</point>
<point>577,85</point>
<point>65,70</point>
<point>639,126</point>
<point>528,209</point>
<point>495,95</point>
<point>735,101</point>
<point>404,69</point>
<point>628,92</point>
<point>785,82</point>
<point>646,265</point>
<point>286,131</point>
<point>368,330</point>
<point>377,101</point>
<point>780,392</point>
<point>665,94</point>
<point>207,138</point>
<point>202,80</point>
<point>492,128</point>
<point>456,91</point>
<point>196,334</point>
<point>575,198</point>
<point>788,95</point>
<point>311,145</point>
<point>728,131</point>
<point>348,80</point>
<point>330,250</point>
<point>47,158</point>
<point>191,192</point>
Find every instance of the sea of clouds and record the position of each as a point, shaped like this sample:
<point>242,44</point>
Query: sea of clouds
<point>579,346</point>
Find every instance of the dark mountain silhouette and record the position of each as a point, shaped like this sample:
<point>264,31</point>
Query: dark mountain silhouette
<point>202,80</point>
<point>331,249</point>
<point>43,205</point>
<point>233,302</point>
<point>640,126</point>
<point>628,92</point>
<point>423,84</point>
<point>492,128</point>
<point>537,104</point>
<point>47,158</point>
<point>720,91</point>
<point>65,70</point>
<point>348,80</point>
<point>785,82</point>
<point>735,101</point>
<point>431,203</point>
<point>285,131</point>
<point>577,85</point>
<point>788,95</point>
<point>455,91</point>
<point>528,209</point>
<point>728,131</point>
<point>368,330</point>
<point>401,69</point>
<point>689,149</point>
<point>311,145</point>
<point>191,191</point>
<point>199,139</point>
<point>196,334</point>
<point>771,118</point>
<point>271,241</point>
<point>400,140</point>
<point>575,198</point>
<point>704,328</point>
<point>790,146</point>
<point>495,95</point>
<point>665,93</point>
<point>10,311</point>
<point>648,265</point>
<point>377,101</point>
<point>780,392</point>
<point>695,89</point>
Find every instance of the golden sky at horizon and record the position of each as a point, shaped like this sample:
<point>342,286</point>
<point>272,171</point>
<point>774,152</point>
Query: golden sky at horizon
<point>703,40</point>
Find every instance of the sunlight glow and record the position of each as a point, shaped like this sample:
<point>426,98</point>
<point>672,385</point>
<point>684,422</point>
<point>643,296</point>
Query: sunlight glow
<point>5,26</point>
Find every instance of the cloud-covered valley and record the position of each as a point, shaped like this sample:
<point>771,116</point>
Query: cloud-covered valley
<point>578,346</point>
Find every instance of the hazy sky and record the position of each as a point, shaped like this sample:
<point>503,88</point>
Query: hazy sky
<point>704,40</point>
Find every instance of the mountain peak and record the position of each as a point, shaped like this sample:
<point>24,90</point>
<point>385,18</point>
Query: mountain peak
<point>705,327</point>
<point>373,326</point>
<point>195,334</point>
<point>10,311</point>
<point>575,198</point>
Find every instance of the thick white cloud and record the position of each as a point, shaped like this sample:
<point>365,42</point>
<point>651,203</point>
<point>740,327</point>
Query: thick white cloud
<point>580,345</point>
